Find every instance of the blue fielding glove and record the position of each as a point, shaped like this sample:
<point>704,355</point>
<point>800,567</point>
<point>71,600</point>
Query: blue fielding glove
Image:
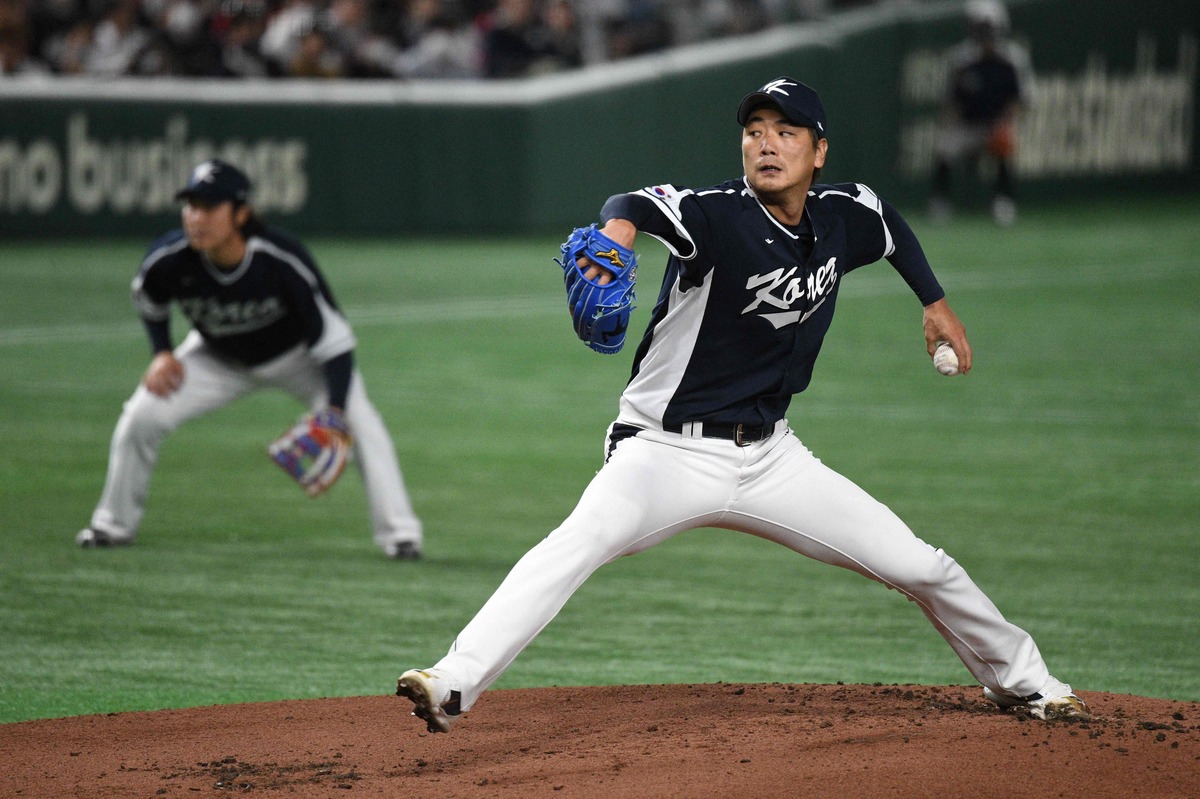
<point>600,313</point>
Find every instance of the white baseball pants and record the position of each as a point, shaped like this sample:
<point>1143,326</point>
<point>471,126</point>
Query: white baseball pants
<point>659,484</point>
<point>211,382</point>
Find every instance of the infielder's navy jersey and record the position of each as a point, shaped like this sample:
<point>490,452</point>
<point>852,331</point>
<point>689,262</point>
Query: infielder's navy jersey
<point>275,299</point>
<point>984,84</point>
<point>746,301</point>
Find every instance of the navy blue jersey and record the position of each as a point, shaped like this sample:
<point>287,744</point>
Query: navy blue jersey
<point>275,299</point>
<point>985,83</point>
<point>746,301</point>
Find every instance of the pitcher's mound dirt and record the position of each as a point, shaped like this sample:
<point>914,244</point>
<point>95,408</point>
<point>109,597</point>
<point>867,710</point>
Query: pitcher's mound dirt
<point>676,741</point>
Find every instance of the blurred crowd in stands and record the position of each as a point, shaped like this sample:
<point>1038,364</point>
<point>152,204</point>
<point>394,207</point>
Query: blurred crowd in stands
<point>366,38</point>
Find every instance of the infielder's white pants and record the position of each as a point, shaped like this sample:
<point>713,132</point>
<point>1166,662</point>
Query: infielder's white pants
<point>211,382</point>
<point>957,140</point>
<point>660,484</point>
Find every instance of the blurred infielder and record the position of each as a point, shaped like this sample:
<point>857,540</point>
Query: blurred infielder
<point>701,439</point>
<point>262,317</point>
<point>987,86</point>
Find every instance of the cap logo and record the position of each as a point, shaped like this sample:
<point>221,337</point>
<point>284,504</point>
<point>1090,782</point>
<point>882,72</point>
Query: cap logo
<point>777,86</point>
<point>204,173</point>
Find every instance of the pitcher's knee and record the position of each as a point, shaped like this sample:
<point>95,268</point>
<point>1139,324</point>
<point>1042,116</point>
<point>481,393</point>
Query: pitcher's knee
<point>925,569</point>
<point>588,542</point>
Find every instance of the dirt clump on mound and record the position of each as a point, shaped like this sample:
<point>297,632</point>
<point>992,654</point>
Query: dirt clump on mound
<point>677,741</point>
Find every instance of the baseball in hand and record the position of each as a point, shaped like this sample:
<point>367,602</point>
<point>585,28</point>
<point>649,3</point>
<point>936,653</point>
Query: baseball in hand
<point>944,359</point>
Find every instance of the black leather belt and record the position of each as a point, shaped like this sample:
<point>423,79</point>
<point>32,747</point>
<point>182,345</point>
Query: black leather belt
<point>740,434</point>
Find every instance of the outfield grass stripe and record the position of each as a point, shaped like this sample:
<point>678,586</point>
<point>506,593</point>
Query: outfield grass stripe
<point>402,314</point>
<point>460,310</point>
<point>1107,418</point>
<point>870,284</point>
<point>53,334</point>
<point>881,283</point>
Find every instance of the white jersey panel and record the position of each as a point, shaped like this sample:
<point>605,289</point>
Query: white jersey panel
<point>645,399</point>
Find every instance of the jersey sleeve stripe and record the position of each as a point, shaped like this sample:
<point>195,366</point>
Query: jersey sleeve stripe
<point>667,199</point>
<point>336,335</point>
<point>146,306</point>
<point>868,199</point>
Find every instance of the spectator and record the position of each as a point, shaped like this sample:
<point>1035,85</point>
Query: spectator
<point>315,57</point>
<point>642,28</point>
<point>67,50</point>
<point>519,41</point>
<point>182,44</point>
<point>240,26</point>
<point>349,27</point>
<point>118,41</point>
<point>280,43</point>
<point>437,40</point>
<point>49,23</point>
<point>15,38</point>
<point>377,38</point>
<point>563,27</point>
<point>696,20</point>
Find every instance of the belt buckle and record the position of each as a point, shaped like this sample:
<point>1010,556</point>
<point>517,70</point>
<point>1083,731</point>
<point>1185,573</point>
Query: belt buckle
<point>737,436</point>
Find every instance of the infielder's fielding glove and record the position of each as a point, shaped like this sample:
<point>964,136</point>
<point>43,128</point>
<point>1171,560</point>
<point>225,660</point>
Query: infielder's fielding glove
<point>314,450</point>
<point>600,313</point>
<point>1002,141</point>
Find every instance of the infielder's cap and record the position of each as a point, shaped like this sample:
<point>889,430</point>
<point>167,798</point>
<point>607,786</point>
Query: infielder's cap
<point>216,181</point>
<point>988,14</point>
<point>798,103</point>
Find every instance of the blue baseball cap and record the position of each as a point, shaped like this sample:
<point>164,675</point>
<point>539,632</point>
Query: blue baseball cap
<point>798,103</point>
<point>216,181</point>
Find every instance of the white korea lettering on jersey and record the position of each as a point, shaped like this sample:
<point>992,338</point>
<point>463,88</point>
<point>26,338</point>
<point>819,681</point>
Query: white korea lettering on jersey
<point>742,313</point>
<point>253,312</point>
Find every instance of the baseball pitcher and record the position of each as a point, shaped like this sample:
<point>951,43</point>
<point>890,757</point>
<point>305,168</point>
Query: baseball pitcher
<point>701,439</point>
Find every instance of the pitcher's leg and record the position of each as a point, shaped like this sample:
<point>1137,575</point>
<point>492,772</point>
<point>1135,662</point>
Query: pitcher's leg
<point>646,493</point>
<point>528,599</point>
<point>819,513</point>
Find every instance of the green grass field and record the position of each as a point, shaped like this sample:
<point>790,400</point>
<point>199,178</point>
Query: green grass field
<point>1062,473</point>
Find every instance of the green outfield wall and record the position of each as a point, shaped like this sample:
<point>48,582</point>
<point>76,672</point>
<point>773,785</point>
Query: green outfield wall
<point>1114,109</point>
